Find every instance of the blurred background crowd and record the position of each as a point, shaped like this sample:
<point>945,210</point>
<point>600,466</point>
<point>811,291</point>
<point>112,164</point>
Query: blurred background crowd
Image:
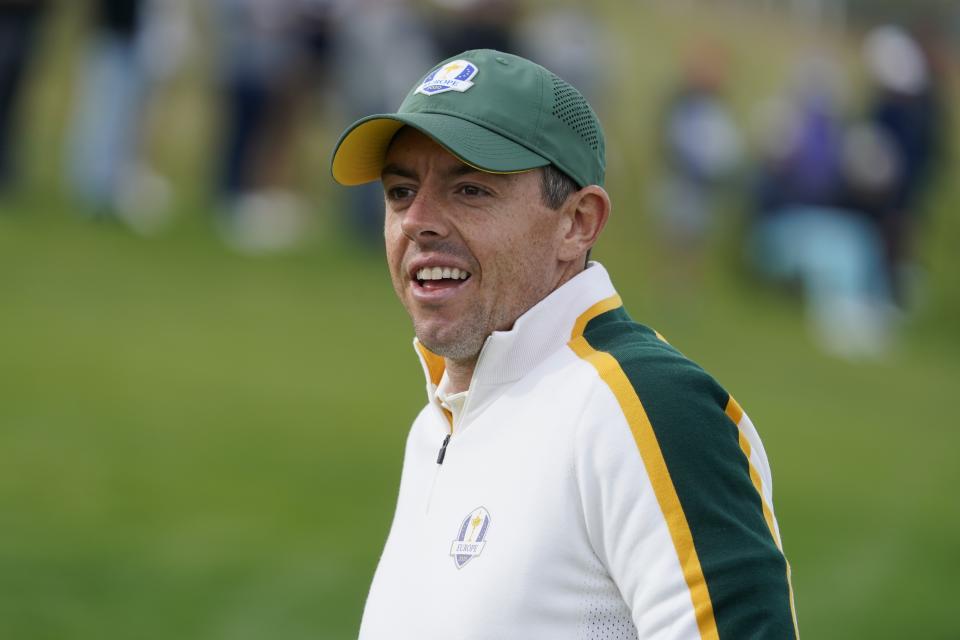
<point>830,175</point>
<point>267,61</point>
<point>193,315</point>
<point>833,183</point>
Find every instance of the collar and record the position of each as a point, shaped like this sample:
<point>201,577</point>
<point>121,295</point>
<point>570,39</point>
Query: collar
<point>452,402</point>
<point>507,356</point>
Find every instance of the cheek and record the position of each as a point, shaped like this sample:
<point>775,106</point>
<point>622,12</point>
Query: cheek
<point>394,243</point>
<point>533,260</point>
<point>518,265</point>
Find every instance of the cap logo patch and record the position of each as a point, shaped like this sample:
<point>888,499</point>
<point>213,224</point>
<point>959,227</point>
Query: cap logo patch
<point>453,76</point>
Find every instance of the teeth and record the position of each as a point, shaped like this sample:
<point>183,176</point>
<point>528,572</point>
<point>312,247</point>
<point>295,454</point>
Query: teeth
<point>438,273</point>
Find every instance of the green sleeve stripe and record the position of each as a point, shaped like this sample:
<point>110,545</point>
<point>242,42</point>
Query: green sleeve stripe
<point>745,572</point>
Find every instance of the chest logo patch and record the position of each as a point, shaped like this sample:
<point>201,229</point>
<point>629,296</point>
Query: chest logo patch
<point>471,538</point>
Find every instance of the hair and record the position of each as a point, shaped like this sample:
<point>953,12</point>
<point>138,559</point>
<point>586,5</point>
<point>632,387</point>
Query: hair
<point>556,186</point>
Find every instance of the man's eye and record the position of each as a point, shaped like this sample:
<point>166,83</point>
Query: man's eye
<point>399,193</point>
<point>472,190</point>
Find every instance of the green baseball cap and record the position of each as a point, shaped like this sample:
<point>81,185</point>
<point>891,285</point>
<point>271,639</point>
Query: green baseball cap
<point>495,111</point>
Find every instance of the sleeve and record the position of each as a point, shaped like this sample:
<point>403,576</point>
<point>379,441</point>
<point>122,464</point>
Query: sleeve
<point>675,495</point>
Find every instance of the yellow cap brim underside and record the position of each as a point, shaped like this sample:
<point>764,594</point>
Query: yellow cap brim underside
<point>359,158</point>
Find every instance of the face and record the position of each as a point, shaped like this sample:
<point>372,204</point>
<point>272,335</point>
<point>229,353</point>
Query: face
<point>468,251</point>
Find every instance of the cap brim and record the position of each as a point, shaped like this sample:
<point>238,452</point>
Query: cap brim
<point>359,155</point>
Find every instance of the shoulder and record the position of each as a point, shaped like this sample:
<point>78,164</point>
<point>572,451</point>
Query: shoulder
<point>637,364</point>
<point>696,450</point>
<point>681,420</point>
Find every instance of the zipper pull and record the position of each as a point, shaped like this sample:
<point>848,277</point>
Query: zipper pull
<point>443,449</point>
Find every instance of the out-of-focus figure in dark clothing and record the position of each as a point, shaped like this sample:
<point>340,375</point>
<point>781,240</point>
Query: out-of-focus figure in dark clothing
<point>132,45</point>
<point>272,55</point>
<point>19,20</point>
<point>460,25</point>
<point>807,234</point>
<point>906,107</point>
<point>802,143</point>
<point>702,151</point>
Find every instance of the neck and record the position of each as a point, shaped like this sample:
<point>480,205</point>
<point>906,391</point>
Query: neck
<point>459,373</point>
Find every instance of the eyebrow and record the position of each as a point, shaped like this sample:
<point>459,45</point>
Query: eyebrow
<point>457,171</point>
<point>397,170</point>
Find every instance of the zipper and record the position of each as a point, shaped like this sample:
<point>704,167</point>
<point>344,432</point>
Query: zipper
<point>443,449</point>
<point>442,453</point>
<point>440,456</point>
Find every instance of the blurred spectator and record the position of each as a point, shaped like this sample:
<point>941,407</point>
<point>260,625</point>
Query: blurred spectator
<point>272,54</point>
<point>702,149</point>
<point>382,47</point>
<point>569,41</point>
<point>461,25</point>
<point>871,169</point>
<point>802,142</point>
<point>805,234</point>
<point>132,45</point>
<point>905,107</point>
<point>18,27</point>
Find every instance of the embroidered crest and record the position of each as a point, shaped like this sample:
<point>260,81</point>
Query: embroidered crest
<point>471,538</point>
<point>453,76</point>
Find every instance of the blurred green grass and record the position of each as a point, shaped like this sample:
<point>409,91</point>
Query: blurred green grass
<point>197,444</point>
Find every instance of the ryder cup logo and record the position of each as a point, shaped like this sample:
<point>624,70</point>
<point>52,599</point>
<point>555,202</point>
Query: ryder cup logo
<point>453,76</point>
<point>472,537</point>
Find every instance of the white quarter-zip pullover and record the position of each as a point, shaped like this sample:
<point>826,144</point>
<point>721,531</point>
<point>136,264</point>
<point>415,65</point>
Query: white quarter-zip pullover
<point>595,484</point>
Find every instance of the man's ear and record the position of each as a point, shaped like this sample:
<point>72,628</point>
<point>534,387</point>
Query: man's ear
<point>587,210</point>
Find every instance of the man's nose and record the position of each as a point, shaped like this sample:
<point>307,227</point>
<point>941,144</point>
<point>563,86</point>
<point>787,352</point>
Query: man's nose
<point>424,219</point>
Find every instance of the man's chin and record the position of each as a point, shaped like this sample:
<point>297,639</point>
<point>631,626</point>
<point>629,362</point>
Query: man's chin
<point>449,343</point>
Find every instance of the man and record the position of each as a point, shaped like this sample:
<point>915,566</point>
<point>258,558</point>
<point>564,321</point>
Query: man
<point>572,475</point>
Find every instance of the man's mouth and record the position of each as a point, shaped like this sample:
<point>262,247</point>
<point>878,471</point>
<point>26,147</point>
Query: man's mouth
<point>436,278</point>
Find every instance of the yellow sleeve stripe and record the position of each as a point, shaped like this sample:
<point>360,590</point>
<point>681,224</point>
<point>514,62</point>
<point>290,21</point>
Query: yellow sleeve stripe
<point>793,606</point>
<point>613,375</point>
<point>735,412</point>
<point>607,304</point>
<point>758,483</point>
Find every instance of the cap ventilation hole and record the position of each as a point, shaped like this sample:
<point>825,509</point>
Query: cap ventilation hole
<point>572,109</point>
